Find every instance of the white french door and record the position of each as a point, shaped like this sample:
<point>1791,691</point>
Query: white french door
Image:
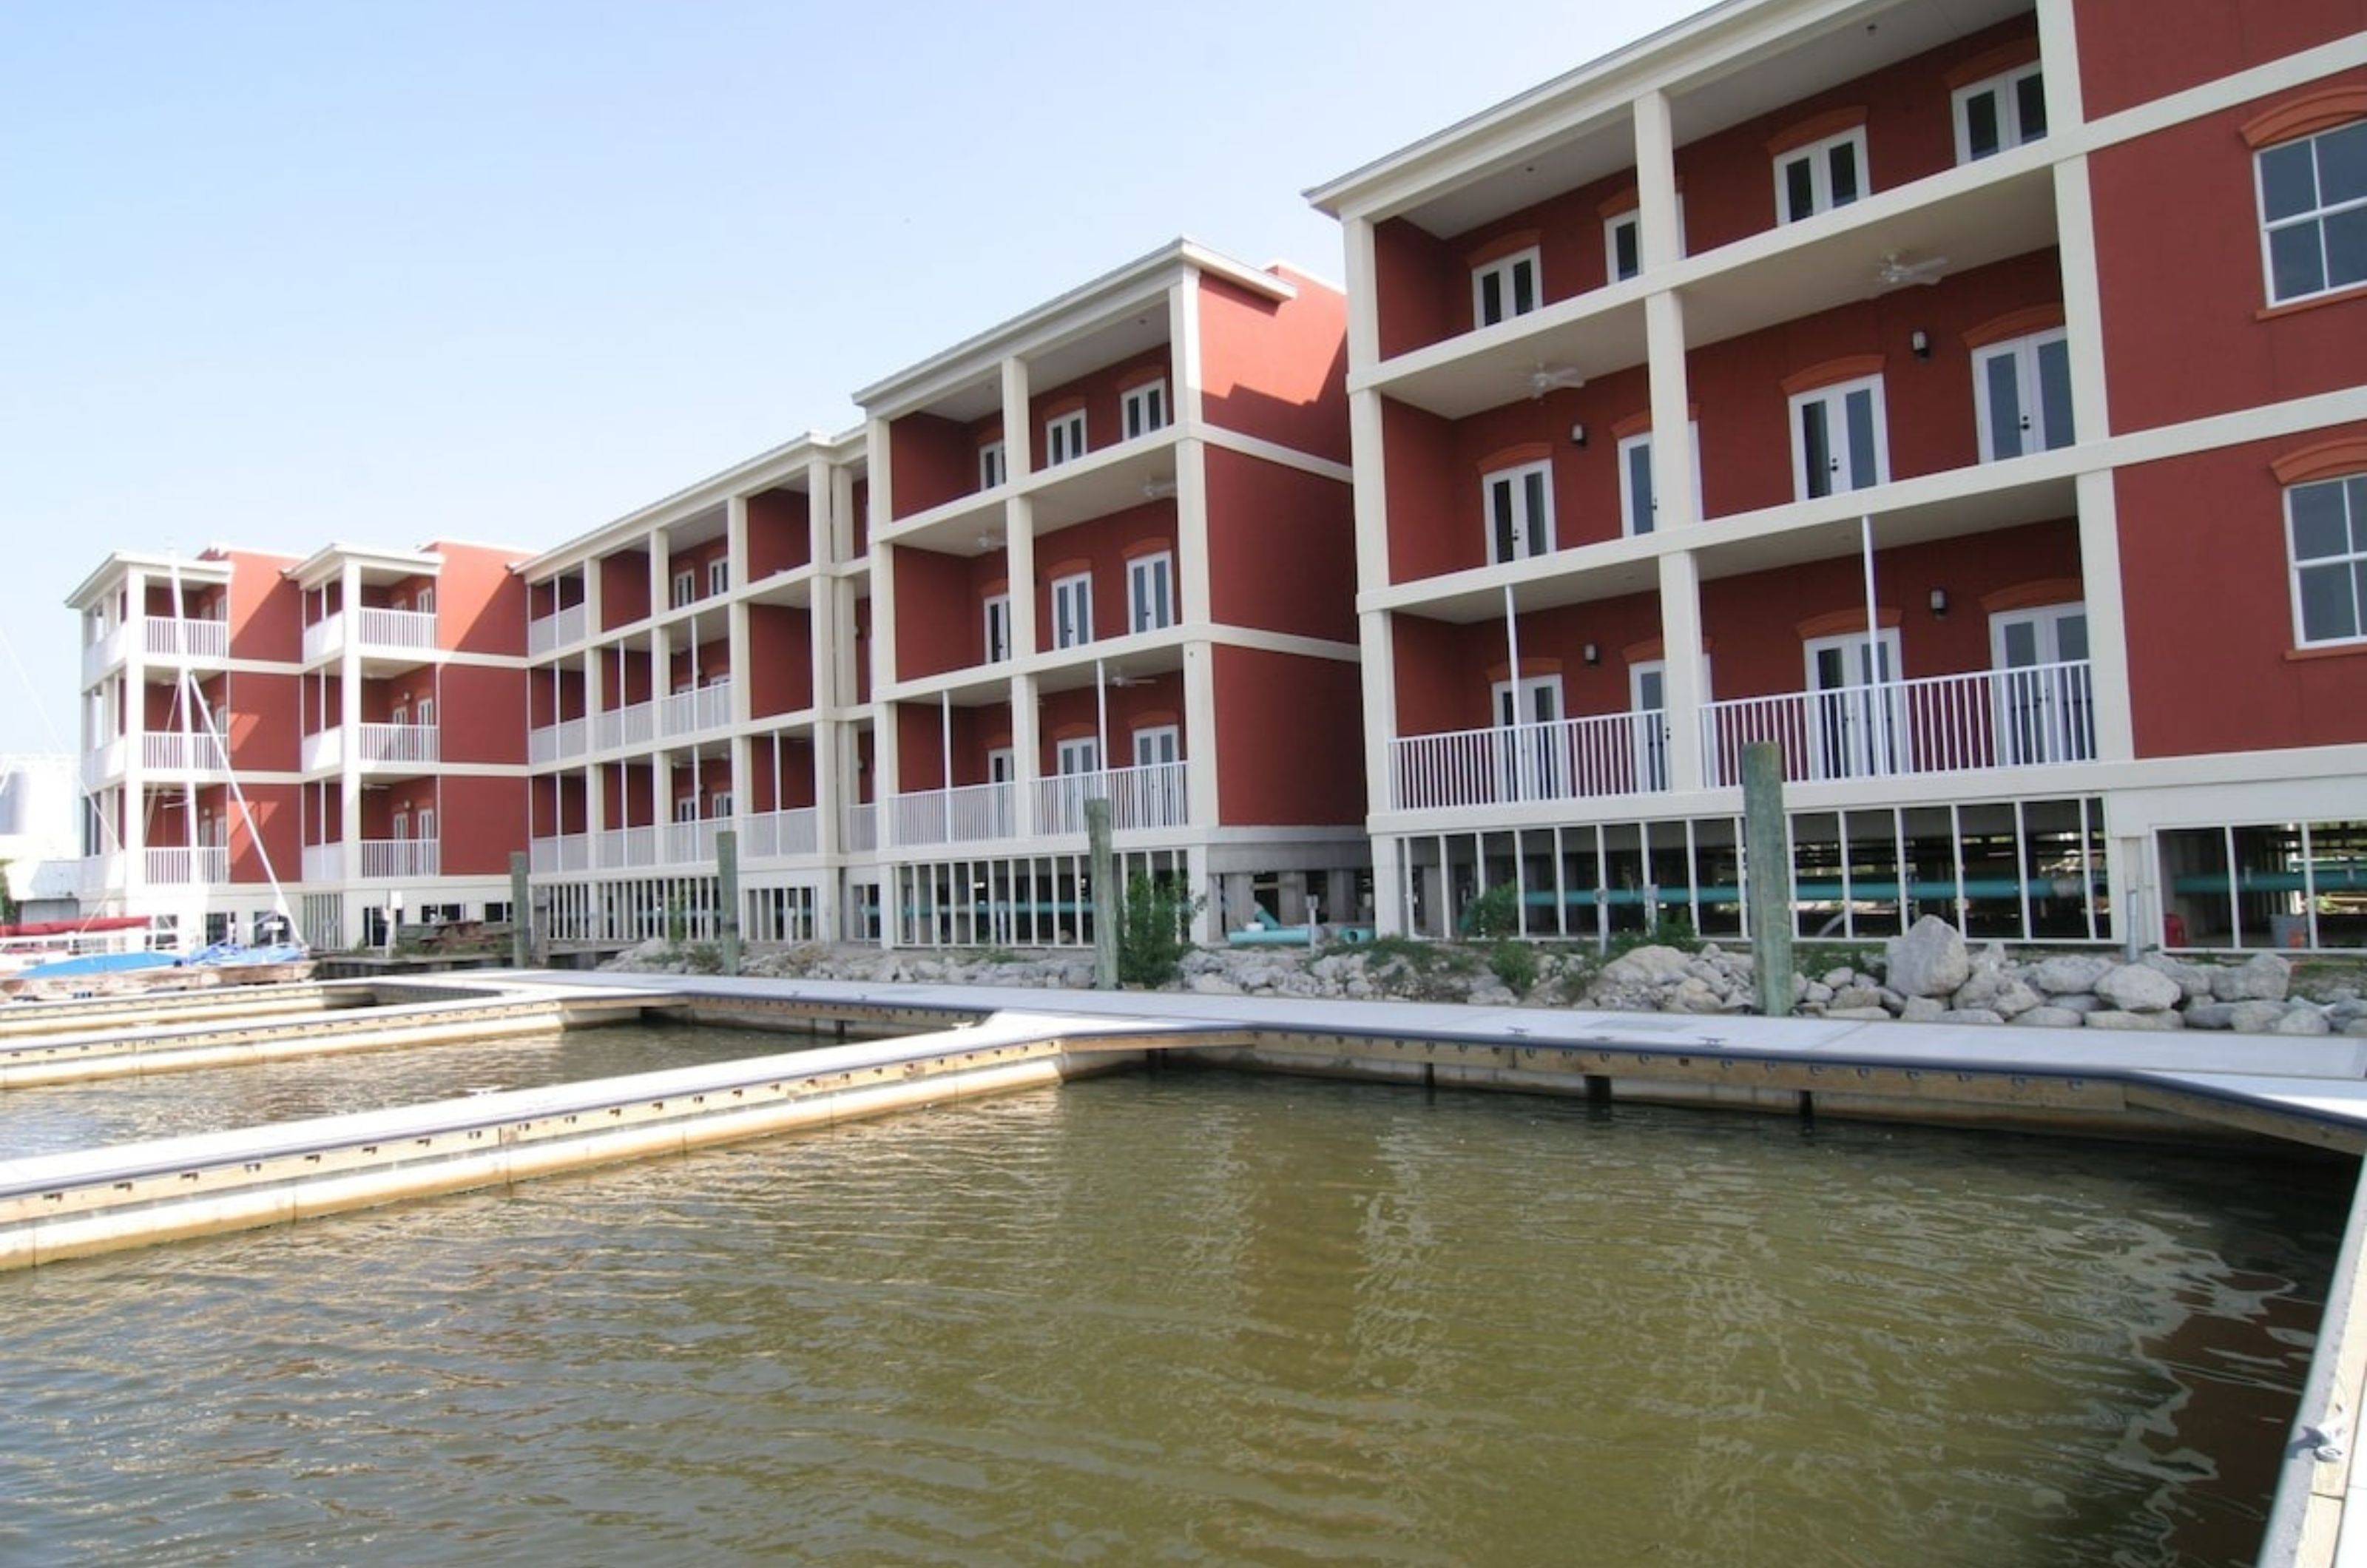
<point>1648,700</point>
<point>2045,707</point>
<point>2023,392</point>
<point>1857,714</point>
<point>1838,439</point>
<point>1529,753</point>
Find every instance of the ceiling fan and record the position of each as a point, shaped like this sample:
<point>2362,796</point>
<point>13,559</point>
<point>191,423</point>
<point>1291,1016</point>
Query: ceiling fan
<point>1553,378</point>
<point>1896,272</point>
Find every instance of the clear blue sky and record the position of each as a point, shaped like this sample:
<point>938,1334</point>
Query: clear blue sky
<point>276,273</point>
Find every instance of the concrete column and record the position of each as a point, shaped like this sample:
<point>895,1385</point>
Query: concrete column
<point>1202,807</point>
<point>1364,296</point>
<point>1198,880</point>
<point>349,700</point>
<point>131,823</point>
<point>1183,349</point>
<point>1376,634</point>
<point>2109,705</point>
<point>1019,544</point>
<point>1388,886</point>
<point>1672,449</point>
<point>1018,433</point>
<point>1655,182</point>
<point>735,618</point>
<point>2058,47</point>
<point>1027,751</point>
<point>1195,592</point>
<point>2083,296</point>
<point>661,574</point>
<point>1681,635</point>
<point>1371,491</point>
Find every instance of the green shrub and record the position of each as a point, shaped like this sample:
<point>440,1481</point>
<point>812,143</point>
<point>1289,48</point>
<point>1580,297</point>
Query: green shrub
<point>1153,923</point>
<point>1495,913</point>
<point>1515,964</point>
<point>702,958</point>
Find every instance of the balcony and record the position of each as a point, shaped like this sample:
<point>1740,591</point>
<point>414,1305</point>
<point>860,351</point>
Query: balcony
<point>566,851</point>
<point>793,832</point>
<point>102,763</point>
<point>626,847</point>
<point>554,632</point>
<point>707,707</point>
<point>636,724</point>
<point>1152,797</point>
<point>185,867</point>
<point>374,745</point>
<point>199,752</point>
<point>1571,758</point>
<point>402,857</point>
<point>560,742</point>
<point>2039,716</point>
<point>964,814</point>
<point>691,843</point>
<point>195,642</point>
<point>404,635</point>
<point>860,830</point>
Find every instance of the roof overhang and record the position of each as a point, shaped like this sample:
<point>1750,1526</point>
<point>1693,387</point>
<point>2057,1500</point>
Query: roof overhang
<point>110,573</point>
<point>328,563</point>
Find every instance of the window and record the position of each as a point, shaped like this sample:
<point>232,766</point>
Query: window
<point>719,804</point>
<point>718,577</point>
<point>1073,610</point>
<point>2313,212</point>
<point>1647,703</point>
<point>1002,765</point>
<point>685,588</point>
<point>2328,536</point>
<point>427,822</point>
<point>997,629</point>
<point>1529,762</point>
<point>1064,438</point>
<point>1857,713</point>
<point>1504,289</point>
<point>2021,391</point>
<point>1623,242</point>
<point>1837,438</point>
<point>686,809</point>
<point>2045,707</point>
<point>425,711</point>
<point>401,828</point>
<point>990,465</point>
<point>1821,176</point>
<point>425,600</point>
<point>1158,745</point>
<point>1145,408</point>
<point>1080,756</point>
<point>2002,112</point>
<point>400,714</point>
<point>1151,592</point>
<point>1640,505</point>
<point>1520,511</point>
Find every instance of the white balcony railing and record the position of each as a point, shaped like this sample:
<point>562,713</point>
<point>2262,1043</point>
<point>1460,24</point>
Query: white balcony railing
<point>1570,759</point>
<point>793,832</point>
<point>186,867</point>
<point>568,738</point>
<point>633,726</point>
<point>964,814</point>
<point>691,843</point>
<point>2041,715</point>
<point>173,752</point>
<point>556,631</point>
<point>707,707</point>
<point>385,632</point>
<point>169,639</point>
<point>1151,797</point>
<point>567,851</point>
<point>397,743</point>
<point>860,830</point>
<point>324,863</point>
<point>402,857</point>
<point>628,847</point>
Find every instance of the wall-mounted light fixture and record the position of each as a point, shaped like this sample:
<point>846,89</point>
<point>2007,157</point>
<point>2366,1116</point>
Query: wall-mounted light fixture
<point>1920,342</point>
<point>1578,435</point>
<point>1939,602</point>
<point>1592,654</point>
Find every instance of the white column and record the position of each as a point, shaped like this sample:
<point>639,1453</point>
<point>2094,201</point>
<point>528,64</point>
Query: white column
<point>1680,635</point>
<point>661,554</point>
<point>1183,348</point>
<point>2108,643</point>
<point>2083,296</point>
<point>1018,433</point>
<point>2058,49</point>
<point>130,819</point>
<point>735,626</point>
<point>1201,802</point>
<point>1363,295</point>
<point>1655,182</point>
<point>1194,590</point>
<point>1673,448</point>
<point>1026,750</point>
<point>1019,563</point>
<point>349,708</point>
<point>1389,888</point>
<point>1377,635</point>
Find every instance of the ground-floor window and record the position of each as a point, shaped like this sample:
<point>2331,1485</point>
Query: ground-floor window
<point>1034,901</point>
<point>778,914</point>
<point>647,909</point>
<point>2301,884</point>
<point>2015,871</point>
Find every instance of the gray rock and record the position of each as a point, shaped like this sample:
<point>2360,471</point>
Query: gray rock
<point>1855,998</point>
<point>2356,1026</point>
<point>1837,977</point>
<point>1923,1009</point>
<point>2133,988</point>
<point>2303,1021</point>
<point>1972,1015</point>
<point>1646,966</point>
<point>1211,985</point>
<point>1929,961</point>
<point>1815,991</point>
<point>1996,990</point>
<point>1860,1015</point>
<point>2193,980</point>
<point>2080,1002</point>
<point>2265,976</point>
<point>2044,1017</point>
<point>2114,1017</point>
<point>2068,976</point>
<point>1696,996</point>
<point>2244,1018</point>
<point>1889,999</point>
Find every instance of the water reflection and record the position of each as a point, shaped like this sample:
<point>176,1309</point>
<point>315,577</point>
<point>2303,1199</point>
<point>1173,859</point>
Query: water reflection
<point>1196,1318</point>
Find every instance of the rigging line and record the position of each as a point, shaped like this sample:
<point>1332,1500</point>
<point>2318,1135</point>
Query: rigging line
<point>221,750</point>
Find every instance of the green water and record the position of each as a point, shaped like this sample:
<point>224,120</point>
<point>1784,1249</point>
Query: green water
<point>1196,1318</point>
